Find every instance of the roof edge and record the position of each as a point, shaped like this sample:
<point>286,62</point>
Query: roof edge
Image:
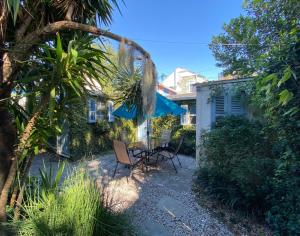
<point>204,84</point>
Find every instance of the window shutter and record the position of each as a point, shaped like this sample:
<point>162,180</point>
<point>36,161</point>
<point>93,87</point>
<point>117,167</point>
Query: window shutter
<point>91,110</point>
<point>184,117</point>
<point>235,106</point>
<point>110,107</point>
<point>220,106</point>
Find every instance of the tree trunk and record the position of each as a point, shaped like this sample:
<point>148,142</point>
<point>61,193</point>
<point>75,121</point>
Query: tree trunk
<point>7,142</point>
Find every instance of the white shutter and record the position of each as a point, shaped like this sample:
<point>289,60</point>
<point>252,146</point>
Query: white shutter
<point>184,117</point>
<point>235,106</point>
<point>91,110</point>
<point>220,106</point>
<point>110,108</point>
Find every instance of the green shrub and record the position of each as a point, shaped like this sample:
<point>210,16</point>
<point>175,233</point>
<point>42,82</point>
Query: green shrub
<point>189,143</point>
<point>238,163</point>
<point>76,209</point>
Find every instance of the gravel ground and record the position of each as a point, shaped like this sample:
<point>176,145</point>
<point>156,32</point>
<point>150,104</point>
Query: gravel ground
<point>159,201</point>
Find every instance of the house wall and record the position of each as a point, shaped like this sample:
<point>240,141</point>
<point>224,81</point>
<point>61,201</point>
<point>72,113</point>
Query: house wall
<point>206,107</point>
<point>84,138</point>
<point>203,114</point>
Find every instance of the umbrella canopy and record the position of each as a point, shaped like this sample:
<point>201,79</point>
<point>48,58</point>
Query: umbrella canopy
<point>163,107</point>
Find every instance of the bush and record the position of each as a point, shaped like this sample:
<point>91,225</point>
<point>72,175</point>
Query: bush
<point>189,143</point>
<point>74,209</point>
<point>238,163</point>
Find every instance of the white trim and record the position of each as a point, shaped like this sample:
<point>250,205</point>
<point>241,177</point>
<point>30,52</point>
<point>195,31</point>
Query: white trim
<point>184,117</point>
<point>110,110</point>
<point>92,110</point>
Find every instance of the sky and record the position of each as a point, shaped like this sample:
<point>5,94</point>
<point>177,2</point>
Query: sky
<point>176,33</point>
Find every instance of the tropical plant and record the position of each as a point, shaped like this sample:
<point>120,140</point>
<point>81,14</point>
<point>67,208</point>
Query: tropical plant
<point>57,79</point>
<point>25,25</point>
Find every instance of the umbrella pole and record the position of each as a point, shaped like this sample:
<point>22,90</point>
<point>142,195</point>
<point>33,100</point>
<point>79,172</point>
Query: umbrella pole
<point>148,134</point>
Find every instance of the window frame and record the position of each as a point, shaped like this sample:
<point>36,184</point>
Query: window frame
<point>92,110</point>
<point>184,118</point>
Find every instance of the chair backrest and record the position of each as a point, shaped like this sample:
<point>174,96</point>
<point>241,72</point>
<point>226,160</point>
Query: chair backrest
<point>124,137</point>
<point>121,152</point>
<point>179,144</point>
<point>165,136</point>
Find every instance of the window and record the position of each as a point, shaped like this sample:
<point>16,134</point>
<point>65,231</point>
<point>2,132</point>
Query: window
<point>110,110</point>
<point>236,108</point>
<point>92,110</point>
<point>100,108</point>
<point>220,107</point>
<point>192,115</point>
<point>227,105</point>
<point>184,117</point>
<point>191,87</point>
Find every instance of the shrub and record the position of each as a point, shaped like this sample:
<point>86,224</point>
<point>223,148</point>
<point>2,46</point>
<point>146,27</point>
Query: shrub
<point>238,163</point>
<point>76,209</point>
<point>189,143</point>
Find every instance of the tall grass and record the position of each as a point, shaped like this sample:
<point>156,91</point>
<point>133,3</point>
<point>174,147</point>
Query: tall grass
<point>75,209</point>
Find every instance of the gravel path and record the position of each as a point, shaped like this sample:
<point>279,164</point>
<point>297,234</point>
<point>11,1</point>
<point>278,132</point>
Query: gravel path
<point>160,202</point>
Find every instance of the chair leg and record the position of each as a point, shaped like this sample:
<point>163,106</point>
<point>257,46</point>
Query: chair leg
<point>157,156</point>
<point>178,160</point>
<point>173,164</point>
<point>131,170</point>
<point>115,170</point>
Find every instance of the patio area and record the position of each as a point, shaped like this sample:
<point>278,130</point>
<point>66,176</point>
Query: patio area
<point>158,201</point>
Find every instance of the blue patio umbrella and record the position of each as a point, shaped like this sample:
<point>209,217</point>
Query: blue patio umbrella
<point>163,107</point>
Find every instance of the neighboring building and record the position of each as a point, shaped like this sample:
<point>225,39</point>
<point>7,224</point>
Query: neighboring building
<point>212,105</point>
<point>179,87</point>
<point>182,81</point>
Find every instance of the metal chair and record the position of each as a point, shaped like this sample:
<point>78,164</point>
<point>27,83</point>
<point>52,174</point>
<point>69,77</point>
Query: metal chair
<point>170,153</point>
<point>123,157</point>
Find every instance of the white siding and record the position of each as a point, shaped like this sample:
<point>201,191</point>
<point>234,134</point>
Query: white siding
<point>203,113</point>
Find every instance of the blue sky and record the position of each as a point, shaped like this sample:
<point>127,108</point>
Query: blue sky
<point>175,32</point>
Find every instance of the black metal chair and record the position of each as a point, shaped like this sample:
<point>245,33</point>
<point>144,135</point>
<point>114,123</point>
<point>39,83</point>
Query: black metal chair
<point>170,153</point>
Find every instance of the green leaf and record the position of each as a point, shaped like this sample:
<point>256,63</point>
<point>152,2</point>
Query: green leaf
<point>291,112</point>
<point>13,6</point>
<point>285,96</point>
<point>59,50</point>
<point>36,150</point>
<point>52,102</point>
<point>74,55</point>
<point>269,78</point>
<point>58,175</point>
<point>287,74</point>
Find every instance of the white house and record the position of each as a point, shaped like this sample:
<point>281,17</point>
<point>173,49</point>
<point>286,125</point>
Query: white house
<point>182,80</point>
<point>179,87</point>
<point>215,99</point>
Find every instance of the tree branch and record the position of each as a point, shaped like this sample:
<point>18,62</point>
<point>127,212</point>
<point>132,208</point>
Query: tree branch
<point>64,25</point>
